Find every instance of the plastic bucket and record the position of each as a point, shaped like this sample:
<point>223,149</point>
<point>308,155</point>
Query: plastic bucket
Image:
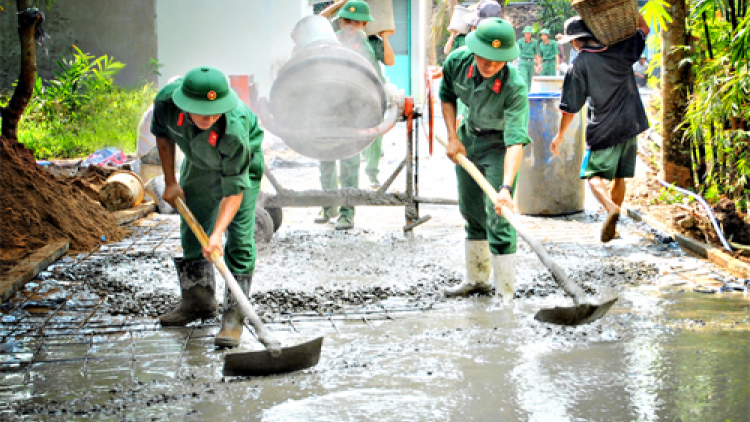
<point>547,84</point>
<point>122,190</point>
<point>313,29</point>
<point>382,15</point>
<point>458,23</point>
<point>550,184</point>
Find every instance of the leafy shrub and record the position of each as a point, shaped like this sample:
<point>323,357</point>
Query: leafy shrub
<point>81,109</point>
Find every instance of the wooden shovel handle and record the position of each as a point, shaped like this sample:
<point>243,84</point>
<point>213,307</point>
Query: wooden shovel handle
<point>194,225</point>
<point>268,340</point>
<point>557,272</point>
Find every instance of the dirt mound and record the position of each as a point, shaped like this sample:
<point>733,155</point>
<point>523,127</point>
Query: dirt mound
<point>39,208</point>
<point>688,218</point>
<point>731,223</point>
<point>89,179</point>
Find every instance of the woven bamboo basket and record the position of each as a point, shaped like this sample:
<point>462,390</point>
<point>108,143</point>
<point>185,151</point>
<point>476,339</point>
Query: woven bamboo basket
<point>611,21</point>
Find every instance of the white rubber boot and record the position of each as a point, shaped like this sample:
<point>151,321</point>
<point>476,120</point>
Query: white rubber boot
<point>504,275</point>
<point>477,278</point>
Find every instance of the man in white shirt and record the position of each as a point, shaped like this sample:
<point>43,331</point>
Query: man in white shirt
<point>639,70</point>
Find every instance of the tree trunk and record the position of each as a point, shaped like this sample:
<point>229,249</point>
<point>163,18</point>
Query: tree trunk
<point>676,156</point>
<point>12,113</point>
<point>432,41</point>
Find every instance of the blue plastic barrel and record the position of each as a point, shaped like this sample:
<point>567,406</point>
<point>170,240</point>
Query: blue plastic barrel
<point>549,184</point>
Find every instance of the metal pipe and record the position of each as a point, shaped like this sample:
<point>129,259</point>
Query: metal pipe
<point>706,207</point>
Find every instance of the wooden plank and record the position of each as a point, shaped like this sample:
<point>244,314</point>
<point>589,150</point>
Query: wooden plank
<point>28,268</point>
<point>128,215</point>
<point>716,255</point>
<point>693,245</point>
<point>732,265</point>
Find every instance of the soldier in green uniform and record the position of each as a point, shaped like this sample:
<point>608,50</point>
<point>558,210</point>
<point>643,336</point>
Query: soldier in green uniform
<point>549,52</point>
<point>491,134</point>
<point>529,51</point>
<point>219,182</point>
<point>352,18</point>
<point>381,46</point>
<point>455,41</point>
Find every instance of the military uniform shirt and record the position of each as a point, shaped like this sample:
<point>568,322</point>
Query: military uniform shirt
<point>548,51</point>
<point>231,147</point>
<point>528,49</point>
<point>499,103</point>
<point>458,42</point>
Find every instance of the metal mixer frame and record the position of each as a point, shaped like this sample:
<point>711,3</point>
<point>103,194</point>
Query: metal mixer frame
<point>410,198</point>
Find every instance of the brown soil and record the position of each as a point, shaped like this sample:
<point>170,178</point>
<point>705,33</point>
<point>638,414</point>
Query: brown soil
<point>39,208</point>
<point>687,219</point>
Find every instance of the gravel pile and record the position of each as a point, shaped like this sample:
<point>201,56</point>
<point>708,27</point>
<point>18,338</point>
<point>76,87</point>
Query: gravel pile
<point>324,273</point>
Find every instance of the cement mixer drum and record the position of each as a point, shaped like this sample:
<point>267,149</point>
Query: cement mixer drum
<point>324,92</point>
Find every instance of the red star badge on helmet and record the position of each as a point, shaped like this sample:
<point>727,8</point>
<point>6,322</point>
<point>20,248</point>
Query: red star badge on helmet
<point>352,9</point>
<point>211,95</point>
<point>496,43</point>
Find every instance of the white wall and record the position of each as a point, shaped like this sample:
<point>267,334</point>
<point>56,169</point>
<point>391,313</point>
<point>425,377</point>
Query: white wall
<point>236,36</point>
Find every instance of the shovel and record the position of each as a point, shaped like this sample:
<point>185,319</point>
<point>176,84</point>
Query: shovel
<point>580,313</point>
<point>275,359</point>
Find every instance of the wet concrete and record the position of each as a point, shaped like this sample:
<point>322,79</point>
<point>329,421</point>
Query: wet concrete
<point>86,345</point>
<point>467,360</point>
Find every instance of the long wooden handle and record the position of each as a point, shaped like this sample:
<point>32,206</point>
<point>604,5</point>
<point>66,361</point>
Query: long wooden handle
<point>557,272</point>
<point>268,340</point>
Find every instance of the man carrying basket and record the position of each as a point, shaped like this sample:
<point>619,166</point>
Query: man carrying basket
<point>604,75</point>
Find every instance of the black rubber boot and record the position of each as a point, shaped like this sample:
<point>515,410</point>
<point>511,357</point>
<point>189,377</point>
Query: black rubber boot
<point>198,293</point>
<point>231,322</point>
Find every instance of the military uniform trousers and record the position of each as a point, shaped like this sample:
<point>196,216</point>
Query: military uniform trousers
<point>348,177</point>
<point>372,157</point>
<point>487,152</point>
<point>548,67</point>
<point>526,69</point>
<point>203,196</point>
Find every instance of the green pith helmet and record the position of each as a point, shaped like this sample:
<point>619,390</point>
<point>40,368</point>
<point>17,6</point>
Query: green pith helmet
<point>494,39</point>
<point>529,30</point>
<point>356,10</point>
<point>544,32</point>
<point>205,91</point>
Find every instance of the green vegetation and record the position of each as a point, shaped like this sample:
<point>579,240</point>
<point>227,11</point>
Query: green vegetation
<point>81,110</point>
<point>672,196</point>
<point>718,116</point>
<point>553,15</point>
<point>717,121</point>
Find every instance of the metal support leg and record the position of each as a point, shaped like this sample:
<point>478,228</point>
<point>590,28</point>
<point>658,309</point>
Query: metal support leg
<point>412,176</point>
<point>410,210</point>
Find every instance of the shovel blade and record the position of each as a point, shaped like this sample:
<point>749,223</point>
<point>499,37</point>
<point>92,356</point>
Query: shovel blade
<point>574,315</point>
<point>260,362</point>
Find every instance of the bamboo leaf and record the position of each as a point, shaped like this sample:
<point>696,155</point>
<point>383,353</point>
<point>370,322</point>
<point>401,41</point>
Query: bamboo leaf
<point>656,15</point>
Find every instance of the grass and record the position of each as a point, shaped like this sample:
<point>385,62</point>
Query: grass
<point>108,119</point>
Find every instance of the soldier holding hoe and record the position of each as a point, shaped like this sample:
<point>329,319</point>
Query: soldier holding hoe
<point>219,182</point>
<point>491,134</point>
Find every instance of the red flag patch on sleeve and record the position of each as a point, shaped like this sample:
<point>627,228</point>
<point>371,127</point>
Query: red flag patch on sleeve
<point>180,119</point>
<point>471,71</point>
<point>212,138</point>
